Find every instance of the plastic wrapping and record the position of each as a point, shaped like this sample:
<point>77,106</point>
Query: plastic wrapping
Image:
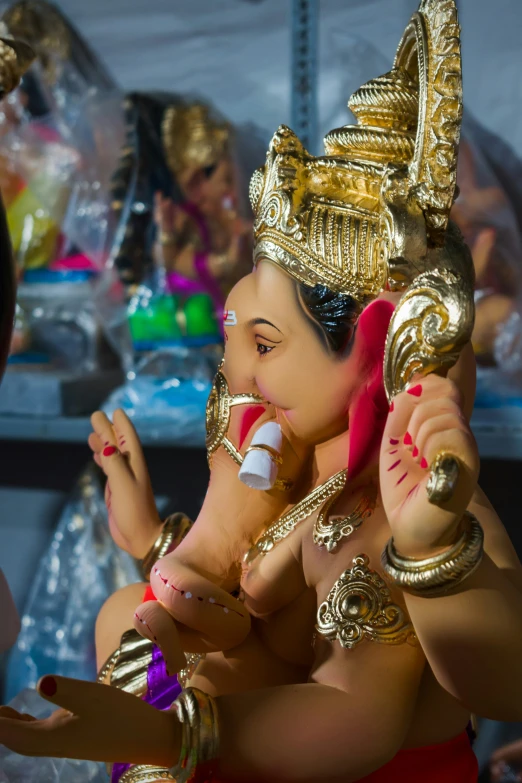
<point>57,319</point>
<point>60,137</point>
<point>80,570</point>
<point>166,398</point>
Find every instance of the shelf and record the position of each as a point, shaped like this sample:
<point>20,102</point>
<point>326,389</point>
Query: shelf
<point>77,430</point>
<point>498,432</point>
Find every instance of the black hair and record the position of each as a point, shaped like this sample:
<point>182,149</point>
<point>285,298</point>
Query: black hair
<point>209,170</point>
<point>334,316</point>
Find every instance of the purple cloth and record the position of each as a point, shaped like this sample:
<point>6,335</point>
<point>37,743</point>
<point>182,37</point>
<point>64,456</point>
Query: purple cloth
<point>206,282</point>
<point>161,692</point>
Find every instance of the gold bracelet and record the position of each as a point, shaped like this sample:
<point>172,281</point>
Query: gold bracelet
<point>434,576</point>
<point>197,713</point>
<point>174,530</point>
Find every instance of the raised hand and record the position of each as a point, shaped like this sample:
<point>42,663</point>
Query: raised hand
<point>168,217</point>
<point>97,722</point>
<point>425,421</point>
<point>133,517</point>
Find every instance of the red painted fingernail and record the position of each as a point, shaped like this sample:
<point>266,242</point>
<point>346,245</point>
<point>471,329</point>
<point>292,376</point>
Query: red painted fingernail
<point>394,451</point>
<point>423,463</point>
<point>48,686</point>
<point>416,391</point>
<point>394,465</point>
<point>407,439</point>
<point>393,441</point>
<point>392,406</point>
<point>401,479</point>
<point>415,452</point>
<point>109,451</point>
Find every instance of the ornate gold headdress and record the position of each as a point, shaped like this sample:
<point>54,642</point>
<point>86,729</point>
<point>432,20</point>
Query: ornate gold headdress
<point>192,138</point>
<point>372,213</point>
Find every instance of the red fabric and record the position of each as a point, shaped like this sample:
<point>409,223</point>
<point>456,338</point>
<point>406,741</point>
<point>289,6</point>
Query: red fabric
<point>149,595</point>
<point>370,409</point>
<point>449,762</point>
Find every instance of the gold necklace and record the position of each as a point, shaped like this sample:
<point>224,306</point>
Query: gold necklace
<point>301,511</point>
<point>328,533</point>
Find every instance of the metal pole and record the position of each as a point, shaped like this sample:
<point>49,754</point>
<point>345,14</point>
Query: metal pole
<point>305,22</point>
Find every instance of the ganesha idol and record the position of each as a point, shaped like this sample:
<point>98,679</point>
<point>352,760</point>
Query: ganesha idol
<point>180,157</point>
<point>347,596</point>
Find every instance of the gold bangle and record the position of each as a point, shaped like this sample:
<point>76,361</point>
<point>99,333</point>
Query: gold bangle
<point>434,576</point>
<point>174,530</point>
<point>197,713</point>
<point>274,455</point>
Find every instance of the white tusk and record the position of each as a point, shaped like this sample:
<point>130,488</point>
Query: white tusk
<point>260,467</point>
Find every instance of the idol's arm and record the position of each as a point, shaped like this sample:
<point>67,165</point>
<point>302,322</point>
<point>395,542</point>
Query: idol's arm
<point>352,718</point>
<point>472,637</point>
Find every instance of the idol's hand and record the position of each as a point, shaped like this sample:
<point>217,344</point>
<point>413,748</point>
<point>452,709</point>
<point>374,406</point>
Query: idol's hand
<point>96,723</point>
<point>425,421</point>
<point>133,517</point>
<point>168,217</point>
<point>504,758</point>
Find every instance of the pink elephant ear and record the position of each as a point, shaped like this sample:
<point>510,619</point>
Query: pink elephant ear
<point>369,410</point>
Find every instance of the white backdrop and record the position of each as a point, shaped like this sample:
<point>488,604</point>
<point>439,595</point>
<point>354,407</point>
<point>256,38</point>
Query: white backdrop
<point>237,52</point>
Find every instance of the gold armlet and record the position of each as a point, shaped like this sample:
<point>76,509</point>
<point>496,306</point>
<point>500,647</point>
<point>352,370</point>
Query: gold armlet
<point>359,607</point>
<point>174,530</point>
<point>197,714</point>
<point>436,575</point>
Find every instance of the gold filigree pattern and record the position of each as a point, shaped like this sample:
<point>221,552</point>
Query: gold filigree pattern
<point>434,319</point>
<point>329,532</point>
<point>430,52</point>
<point>219,405</point>
<point>359,606</point>
<point>301,511</point>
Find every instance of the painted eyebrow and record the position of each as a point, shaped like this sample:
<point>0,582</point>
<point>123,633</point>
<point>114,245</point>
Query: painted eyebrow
<point>259,321</point>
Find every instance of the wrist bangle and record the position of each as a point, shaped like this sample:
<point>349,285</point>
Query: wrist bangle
<point>174,530</point>
<point>434,576</point>
<point>197,714</point>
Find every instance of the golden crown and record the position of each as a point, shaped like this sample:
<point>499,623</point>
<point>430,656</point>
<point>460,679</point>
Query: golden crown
<point>333,219</point>
<point>192,138</point>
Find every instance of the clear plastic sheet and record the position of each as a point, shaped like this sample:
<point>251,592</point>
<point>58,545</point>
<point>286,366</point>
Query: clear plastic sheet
<point>60,137</point>
<point>80,570</point>
<point>166,398</point>
<point>59,314</point>
<point>24,769</point>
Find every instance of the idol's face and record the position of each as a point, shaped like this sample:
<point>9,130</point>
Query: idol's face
<point>275,347</point>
